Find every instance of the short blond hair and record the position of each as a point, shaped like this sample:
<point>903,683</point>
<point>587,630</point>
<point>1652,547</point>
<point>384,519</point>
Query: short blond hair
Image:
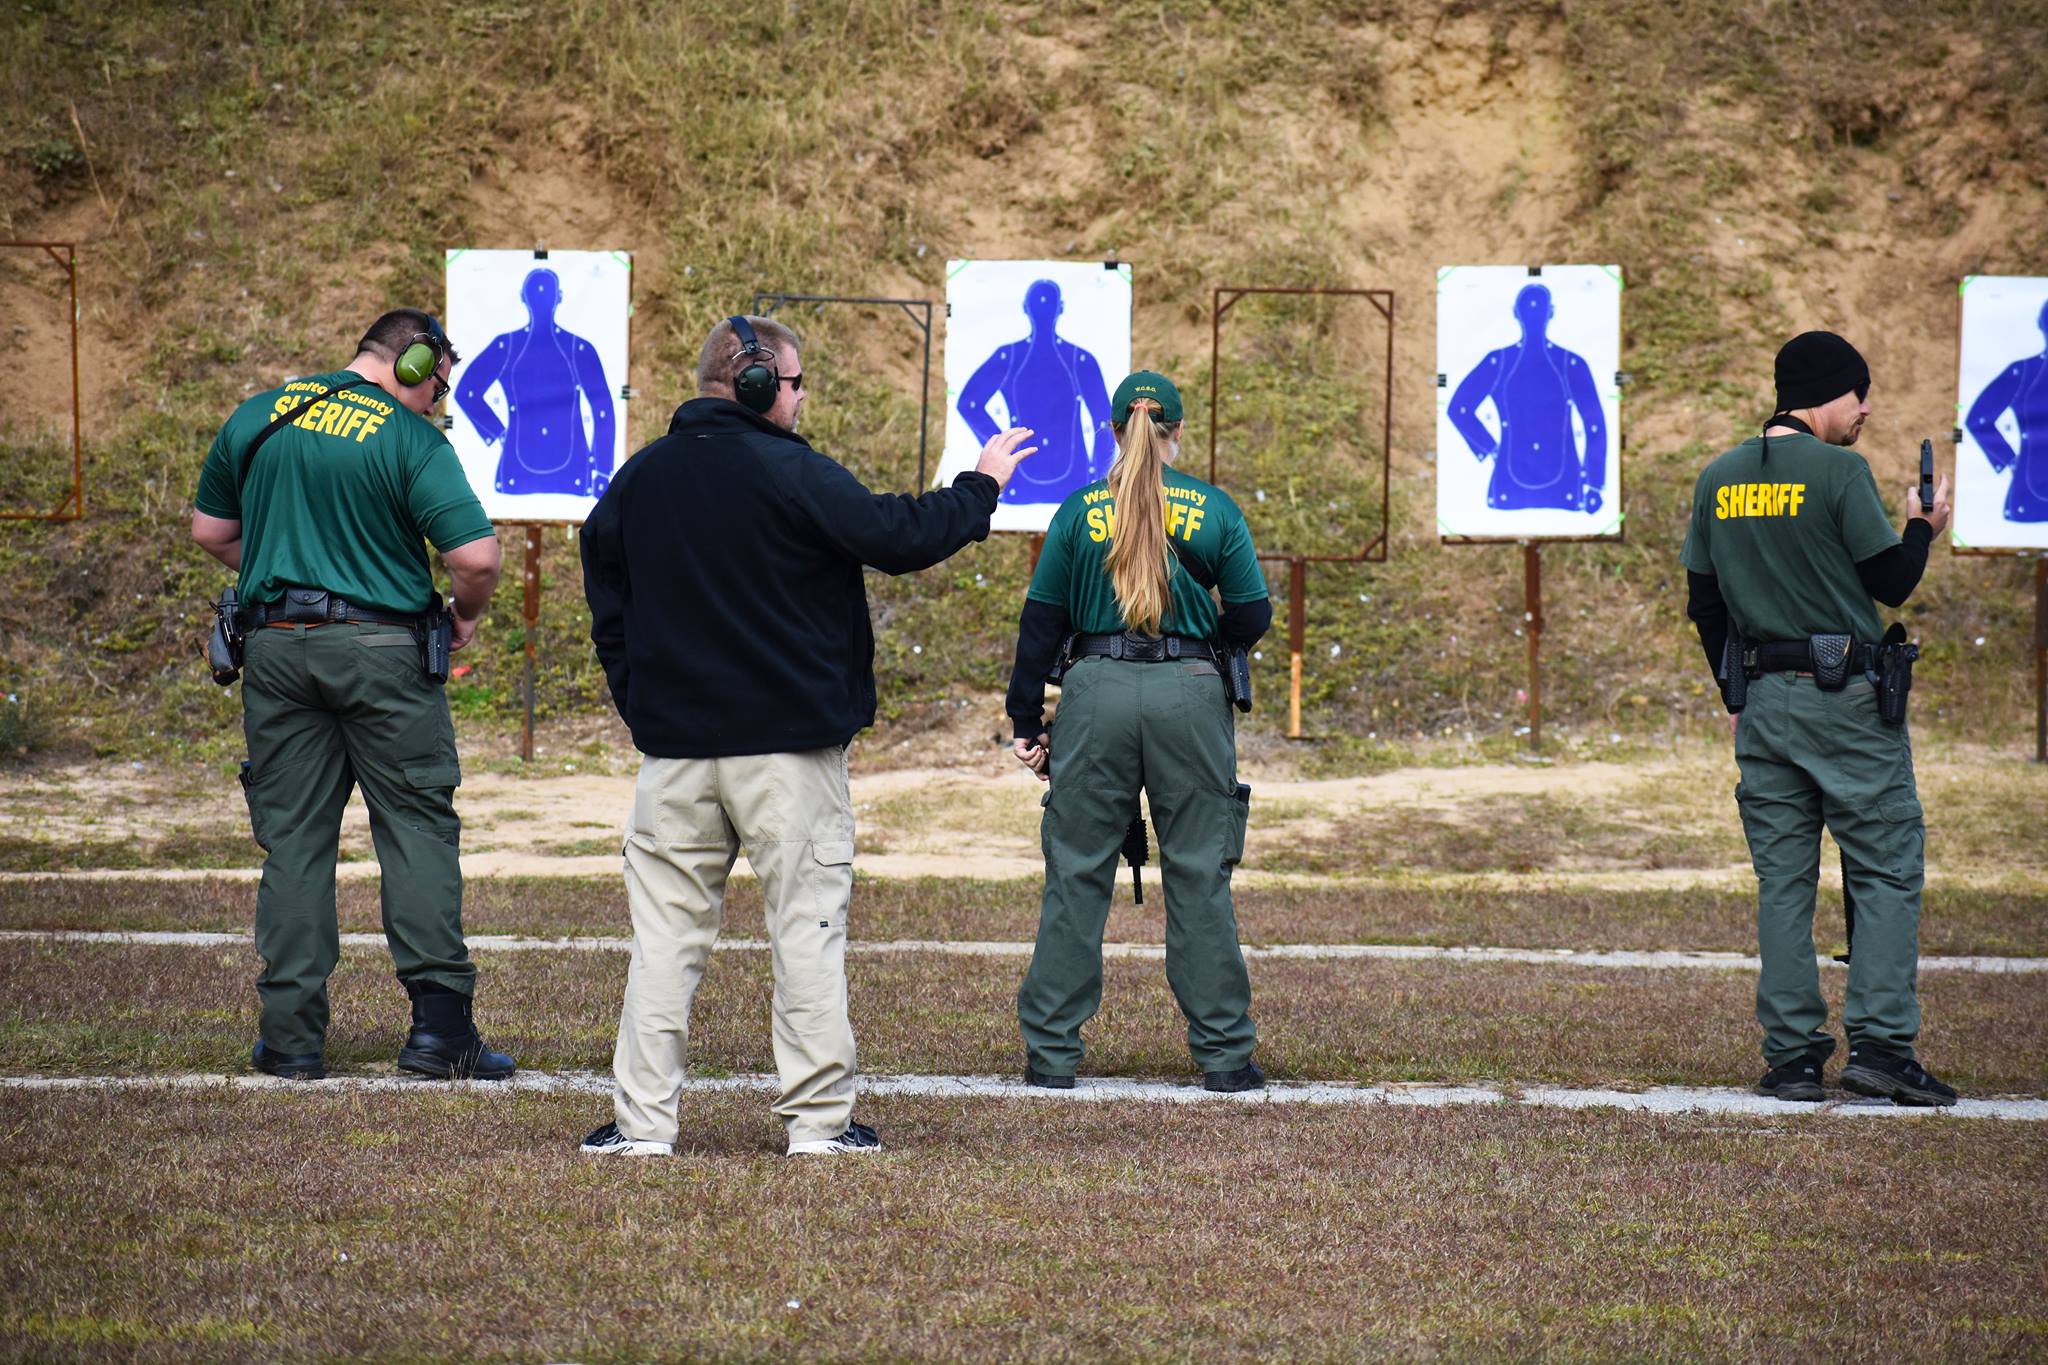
<point>720,362</point>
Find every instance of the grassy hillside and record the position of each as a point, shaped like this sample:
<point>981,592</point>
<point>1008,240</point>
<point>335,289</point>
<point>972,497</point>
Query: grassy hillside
<point>251,181</point>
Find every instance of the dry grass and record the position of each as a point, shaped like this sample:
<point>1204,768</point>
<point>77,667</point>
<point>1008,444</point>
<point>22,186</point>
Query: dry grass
<point>430,1225</point>
<point>1954,920</point>
<point>89,1009</point>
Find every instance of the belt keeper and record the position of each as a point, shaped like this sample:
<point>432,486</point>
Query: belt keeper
<point>1116,646</point>
<point>1173,647</point>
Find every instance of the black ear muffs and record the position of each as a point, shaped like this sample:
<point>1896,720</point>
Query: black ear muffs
<point>757,385</point>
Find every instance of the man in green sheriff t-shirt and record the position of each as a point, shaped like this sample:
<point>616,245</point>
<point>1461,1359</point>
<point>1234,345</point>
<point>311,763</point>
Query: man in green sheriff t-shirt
<point>324,490</point>
<point>1789,540</point>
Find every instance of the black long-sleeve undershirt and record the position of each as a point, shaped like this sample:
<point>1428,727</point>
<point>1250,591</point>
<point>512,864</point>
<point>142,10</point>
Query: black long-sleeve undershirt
<point>1043,625</point>
<point>1890,576</point>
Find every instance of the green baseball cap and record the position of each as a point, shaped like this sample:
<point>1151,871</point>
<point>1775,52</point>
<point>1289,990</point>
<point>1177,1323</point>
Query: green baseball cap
<point>1145,384</point>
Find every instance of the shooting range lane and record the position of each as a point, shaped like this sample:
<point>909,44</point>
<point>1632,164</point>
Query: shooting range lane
<point>189,1008</point>
<point>1296,952</point>
<point>1102,1090</point>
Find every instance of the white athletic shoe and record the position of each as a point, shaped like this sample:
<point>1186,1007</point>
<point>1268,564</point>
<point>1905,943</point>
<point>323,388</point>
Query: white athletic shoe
<point>858,1137</point>
<point>609,1141</point>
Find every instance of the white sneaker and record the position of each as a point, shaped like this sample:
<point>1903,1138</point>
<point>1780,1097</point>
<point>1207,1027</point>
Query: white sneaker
<point>858,1137</point>
<point>609,1141</point>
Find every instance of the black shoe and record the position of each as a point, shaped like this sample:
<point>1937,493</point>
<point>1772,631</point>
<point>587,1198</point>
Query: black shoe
<point>444,1042</point>
<point>1246,1077</point>
<point>858,1138</point>
<point>1033,1076</point>
<point>1798,1079</point>
<point>305,1066</point>
<point>1887,1075</point>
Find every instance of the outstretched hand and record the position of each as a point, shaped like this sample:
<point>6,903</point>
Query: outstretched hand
<point>1034,754</point>
<point>1000,457</point>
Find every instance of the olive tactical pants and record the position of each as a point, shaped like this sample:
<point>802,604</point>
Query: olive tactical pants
<point>1809,758</point>
<point>1165,728</point>
<point>327,708</point>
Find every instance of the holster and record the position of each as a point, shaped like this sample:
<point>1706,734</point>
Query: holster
<point>1895,660</point>
<point>1833,655</point>
<point>1236,668</point>
<point>1060,659</point>
<point>1734,674</point>
<point>436,635</point>
<point>224,643</point>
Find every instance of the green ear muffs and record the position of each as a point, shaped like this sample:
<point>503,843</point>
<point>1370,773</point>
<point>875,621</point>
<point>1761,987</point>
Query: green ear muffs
<point>417,361</point>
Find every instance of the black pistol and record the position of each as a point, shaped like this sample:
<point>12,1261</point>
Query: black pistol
<point>1136,850</point>
<point>1927,476</point>
<point>436,635</point>
<point>224,643</point>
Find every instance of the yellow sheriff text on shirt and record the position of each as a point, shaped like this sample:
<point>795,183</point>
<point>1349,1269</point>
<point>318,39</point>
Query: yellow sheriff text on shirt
<point>1758,500</point>
<point>357,418</point>
<point>1181,520</point>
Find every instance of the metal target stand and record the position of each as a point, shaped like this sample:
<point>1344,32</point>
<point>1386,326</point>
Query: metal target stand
<point>72,508</point>
<point>911,309</point>
<point>1224,297</point>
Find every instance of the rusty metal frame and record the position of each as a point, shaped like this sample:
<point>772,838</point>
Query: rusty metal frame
<point>73,506</point>
<point>924,400</point>
<point>1223,298</point>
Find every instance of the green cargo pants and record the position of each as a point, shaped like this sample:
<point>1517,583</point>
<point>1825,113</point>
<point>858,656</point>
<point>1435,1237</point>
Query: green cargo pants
<point>1165,728</point>
<point>1809,757</point>
<point>325,708</point>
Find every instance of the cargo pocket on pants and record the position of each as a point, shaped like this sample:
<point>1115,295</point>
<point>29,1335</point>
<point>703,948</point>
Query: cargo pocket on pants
<point>1238,816</point>
<point>834,860</point>
<point>432,807</point>
<point>1904,834</point>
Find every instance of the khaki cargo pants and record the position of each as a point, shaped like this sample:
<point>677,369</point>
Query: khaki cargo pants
<point>793,816</point>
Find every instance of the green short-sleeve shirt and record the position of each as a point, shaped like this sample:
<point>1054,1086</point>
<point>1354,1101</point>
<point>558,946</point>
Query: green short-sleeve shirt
<point>341,497</point>
<point>1201,520</point>
<point>1784,535</point>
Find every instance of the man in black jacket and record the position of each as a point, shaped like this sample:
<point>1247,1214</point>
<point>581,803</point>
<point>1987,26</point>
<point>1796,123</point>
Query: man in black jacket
<point>723,571</point>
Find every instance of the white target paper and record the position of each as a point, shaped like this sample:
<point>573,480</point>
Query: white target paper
<point>539,423</point>
<point>1038,344</point>
<point>2001,488</point>
<point>1528,428</point>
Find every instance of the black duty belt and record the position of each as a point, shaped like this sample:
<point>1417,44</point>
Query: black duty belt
<point>1142,649</point>
<point>1796,656</point>
<point>311,606</point>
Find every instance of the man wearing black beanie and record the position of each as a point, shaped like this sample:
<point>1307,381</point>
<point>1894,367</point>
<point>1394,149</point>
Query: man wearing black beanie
<point>1789,552</point>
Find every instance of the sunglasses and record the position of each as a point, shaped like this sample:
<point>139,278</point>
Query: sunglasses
<point>440,388</point>
<point>795,381</point>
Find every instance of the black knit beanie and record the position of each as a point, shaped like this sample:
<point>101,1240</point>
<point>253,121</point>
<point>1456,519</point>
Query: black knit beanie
<point>1818,367</point>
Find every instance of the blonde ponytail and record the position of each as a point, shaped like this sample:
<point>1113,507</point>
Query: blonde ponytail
<point>1136,562</point>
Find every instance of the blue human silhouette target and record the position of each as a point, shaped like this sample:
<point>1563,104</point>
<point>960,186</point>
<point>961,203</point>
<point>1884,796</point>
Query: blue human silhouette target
<point>2002,402</point>
<point>1528,408</point>
<point>537,413</point>
<point>1032,343</point>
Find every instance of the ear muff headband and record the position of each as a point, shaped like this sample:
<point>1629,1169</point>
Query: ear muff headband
<point>756,386</point>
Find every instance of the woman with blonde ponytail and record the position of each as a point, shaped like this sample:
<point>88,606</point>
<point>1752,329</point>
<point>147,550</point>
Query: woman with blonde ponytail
<point>1146,584</point>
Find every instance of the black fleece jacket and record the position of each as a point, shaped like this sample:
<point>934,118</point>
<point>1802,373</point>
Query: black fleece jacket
<point>723,571</point>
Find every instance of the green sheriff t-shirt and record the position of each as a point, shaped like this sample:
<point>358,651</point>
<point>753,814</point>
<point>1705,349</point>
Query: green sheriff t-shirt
<point>341,497</point>
<point>1201,521</point>
<point>1784,536</point>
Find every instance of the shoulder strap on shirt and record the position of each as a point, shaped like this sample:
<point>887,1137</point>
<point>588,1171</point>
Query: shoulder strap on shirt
<point>249,455</point>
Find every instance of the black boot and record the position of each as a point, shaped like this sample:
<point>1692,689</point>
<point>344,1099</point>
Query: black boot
<point>444,1042</point>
